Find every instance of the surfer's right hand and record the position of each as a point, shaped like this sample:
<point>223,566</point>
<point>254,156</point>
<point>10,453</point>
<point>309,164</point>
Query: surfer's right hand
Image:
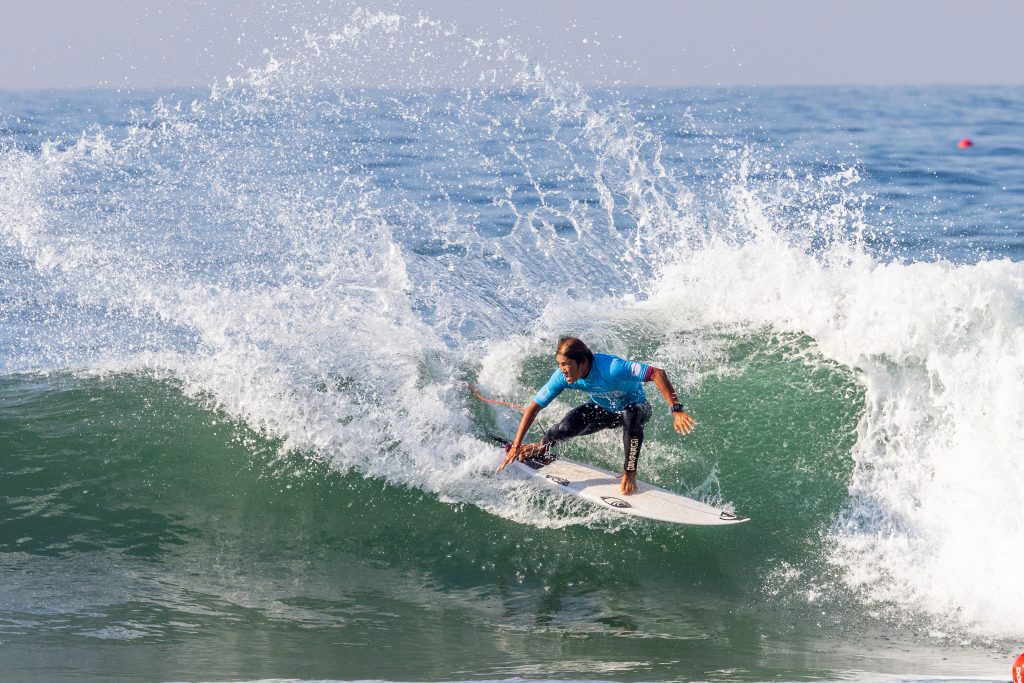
<point>521,452</point>
<point>511,453</point>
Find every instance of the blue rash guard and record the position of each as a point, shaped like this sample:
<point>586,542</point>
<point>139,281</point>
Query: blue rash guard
<point>613,383</point>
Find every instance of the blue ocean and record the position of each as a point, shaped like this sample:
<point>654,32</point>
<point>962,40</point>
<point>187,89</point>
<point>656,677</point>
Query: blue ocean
<point>238,325</point>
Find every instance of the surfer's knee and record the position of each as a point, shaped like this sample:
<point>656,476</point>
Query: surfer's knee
<point>573,424</point>
<point>556,434</point>
<point>634,417</point>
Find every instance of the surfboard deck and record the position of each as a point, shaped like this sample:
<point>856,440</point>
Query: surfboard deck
<point>601,487</point>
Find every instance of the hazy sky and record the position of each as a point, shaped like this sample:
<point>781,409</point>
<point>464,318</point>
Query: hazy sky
<point>150,43</point>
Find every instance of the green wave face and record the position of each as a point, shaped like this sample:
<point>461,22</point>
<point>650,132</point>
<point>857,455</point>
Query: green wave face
<point>132,513</point>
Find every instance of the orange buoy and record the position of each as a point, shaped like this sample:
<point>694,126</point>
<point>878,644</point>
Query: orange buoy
<point>965,143</point>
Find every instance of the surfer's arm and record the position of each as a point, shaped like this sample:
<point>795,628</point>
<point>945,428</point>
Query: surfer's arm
<point>682,422</point>
<point>529,415</point>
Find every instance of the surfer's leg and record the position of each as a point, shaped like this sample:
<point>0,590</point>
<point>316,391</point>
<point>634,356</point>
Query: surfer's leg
<point>580,421</point>
<point>634,418</point>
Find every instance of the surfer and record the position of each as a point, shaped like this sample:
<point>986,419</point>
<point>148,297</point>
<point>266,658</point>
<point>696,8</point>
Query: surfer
<point>617,399</point>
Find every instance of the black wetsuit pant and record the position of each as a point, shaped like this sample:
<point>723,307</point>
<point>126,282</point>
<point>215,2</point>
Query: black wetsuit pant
<point>590,417</point>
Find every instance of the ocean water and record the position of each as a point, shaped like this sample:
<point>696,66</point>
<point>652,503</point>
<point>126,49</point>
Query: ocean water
<point>237,326</point>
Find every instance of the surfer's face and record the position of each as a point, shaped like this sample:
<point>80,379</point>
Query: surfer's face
<point>571,369</point>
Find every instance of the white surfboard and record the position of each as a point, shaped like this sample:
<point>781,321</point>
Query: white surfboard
<point>602,488</point>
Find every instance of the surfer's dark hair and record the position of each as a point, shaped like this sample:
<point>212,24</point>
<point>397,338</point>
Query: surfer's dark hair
<point>574,349</point>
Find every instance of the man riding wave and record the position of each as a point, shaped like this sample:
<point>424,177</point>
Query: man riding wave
<point>617,399</point>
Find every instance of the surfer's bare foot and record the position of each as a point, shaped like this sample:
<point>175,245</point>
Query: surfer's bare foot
<point>526,451</point>
<point>628,483</point>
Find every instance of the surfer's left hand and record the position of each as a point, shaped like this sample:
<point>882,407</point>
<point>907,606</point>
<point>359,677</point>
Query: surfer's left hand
<point>683,423</point>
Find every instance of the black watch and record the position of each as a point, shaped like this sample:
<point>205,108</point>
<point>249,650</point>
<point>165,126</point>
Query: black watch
<point>677,408</point>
